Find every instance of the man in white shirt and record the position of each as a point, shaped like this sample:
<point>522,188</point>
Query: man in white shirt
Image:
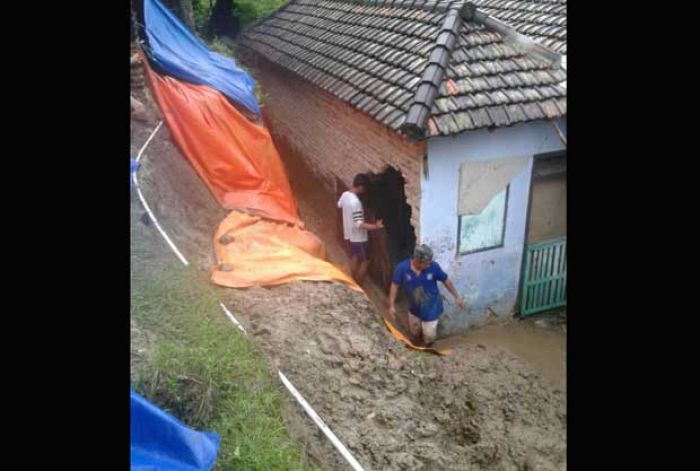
<point>355,228</point>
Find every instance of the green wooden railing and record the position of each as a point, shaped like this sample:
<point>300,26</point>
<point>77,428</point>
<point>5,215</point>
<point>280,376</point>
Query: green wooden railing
<point>544,276</point>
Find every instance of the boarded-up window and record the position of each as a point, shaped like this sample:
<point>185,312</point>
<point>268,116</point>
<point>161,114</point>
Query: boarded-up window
<point>486,229</point>
<point>483,202</point>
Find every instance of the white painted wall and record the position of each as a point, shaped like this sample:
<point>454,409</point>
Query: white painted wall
<point>487,279</point>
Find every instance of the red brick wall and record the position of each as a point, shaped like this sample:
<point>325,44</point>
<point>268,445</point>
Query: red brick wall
<point>334,139</point>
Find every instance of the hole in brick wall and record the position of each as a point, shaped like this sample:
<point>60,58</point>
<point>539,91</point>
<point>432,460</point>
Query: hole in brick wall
<point>386,199</point>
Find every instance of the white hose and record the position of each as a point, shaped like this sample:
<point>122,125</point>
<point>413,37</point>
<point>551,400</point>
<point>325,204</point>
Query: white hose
<point>290,387</point>
<point>145,205</point>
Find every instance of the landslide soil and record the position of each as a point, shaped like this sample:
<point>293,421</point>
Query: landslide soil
<point>482,408</point>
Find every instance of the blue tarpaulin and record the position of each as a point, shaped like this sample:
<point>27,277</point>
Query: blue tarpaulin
<point>178,52</point>
<point>160,442</point>
<point>134,168</point>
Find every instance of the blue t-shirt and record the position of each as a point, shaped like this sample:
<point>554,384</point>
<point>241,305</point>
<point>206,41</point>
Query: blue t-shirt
<point>422,291</point>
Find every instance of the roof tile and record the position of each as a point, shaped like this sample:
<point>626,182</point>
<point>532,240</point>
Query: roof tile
<point>498,115</point>
<point>528,15</point>
<point>480,117</point>
<point>375,57</point>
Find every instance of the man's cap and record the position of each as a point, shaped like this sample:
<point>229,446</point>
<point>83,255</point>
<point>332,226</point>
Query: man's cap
<point>423,253</point>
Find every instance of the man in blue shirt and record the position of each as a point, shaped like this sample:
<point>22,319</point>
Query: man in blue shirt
<point>419,276</point>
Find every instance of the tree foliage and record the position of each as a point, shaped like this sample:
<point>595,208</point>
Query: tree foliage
<point>227,17</point>
<point>250,11</point>
<point>212,18</point>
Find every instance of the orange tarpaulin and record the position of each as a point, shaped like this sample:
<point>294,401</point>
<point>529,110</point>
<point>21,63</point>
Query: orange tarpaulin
<point>257,251</point>
<point>239,163</point>
<point>235,157</point>
<point>400,336</point>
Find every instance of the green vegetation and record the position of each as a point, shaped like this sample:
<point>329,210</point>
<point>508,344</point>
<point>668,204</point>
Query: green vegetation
<point>245,11</point>
<point>213,17</point>
<point>250,11</point>
<point>201,11</point>
<point>218,46</point>
<point>200,367</point>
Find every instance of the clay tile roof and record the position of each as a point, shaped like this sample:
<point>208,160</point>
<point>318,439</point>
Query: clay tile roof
<point>542,20</point>
<point>404,61</point>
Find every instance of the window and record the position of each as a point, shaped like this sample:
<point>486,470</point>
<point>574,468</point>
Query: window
<point>483,201</point>
<point>485,230</point>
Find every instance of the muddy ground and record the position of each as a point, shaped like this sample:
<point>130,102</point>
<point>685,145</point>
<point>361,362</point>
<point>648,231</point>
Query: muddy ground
<point>483,408</point>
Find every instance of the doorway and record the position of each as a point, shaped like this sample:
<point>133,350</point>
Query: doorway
<point>386,199</point>
<point>543,283</point>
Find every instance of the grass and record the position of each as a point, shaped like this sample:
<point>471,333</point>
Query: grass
<point>201,368</point>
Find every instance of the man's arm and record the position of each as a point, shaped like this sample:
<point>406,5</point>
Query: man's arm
<point>371,227</point>
<point>358,216</point>
<point>451,288</point>
<point>392,299</point>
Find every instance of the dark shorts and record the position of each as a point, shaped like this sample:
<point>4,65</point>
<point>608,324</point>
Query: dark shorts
<point>357,249</point>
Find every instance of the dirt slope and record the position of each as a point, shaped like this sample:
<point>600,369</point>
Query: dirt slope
<point>480,409</point>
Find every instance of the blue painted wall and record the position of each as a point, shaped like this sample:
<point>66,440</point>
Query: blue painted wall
<point>487,279</point>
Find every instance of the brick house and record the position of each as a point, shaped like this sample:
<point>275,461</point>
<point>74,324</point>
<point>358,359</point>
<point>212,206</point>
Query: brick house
<point>446,105</point>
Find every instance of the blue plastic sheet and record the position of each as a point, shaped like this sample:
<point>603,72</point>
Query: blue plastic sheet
<point>160,442</point>
<point>134,168</point>
<point>178,52</point>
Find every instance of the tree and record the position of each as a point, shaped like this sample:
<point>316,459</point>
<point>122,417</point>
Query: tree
<point>222,21</point>
<point>186,11</point>
<point>183,9</point>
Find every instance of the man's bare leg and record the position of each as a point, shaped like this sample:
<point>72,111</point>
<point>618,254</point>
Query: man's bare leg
<point>429,330</point>
<point>353,267</point>
<point>414,327</point>
<point>362,271</point>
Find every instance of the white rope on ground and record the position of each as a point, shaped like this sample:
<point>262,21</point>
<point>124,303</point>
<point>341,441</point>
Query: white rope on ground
<point>305,405</point>
<point>145,205</point>
<point>148,141</point>
<point>324,428</point>
<point>233,319</point>
<point>290,387</point>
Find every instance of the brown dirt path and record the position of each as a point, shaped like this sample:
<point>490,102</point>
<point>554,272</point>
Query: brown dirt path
<point>482,408</point>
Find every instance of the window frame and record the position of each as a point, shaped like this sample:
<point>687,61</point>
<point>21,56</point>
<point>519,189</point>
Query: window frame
<point>491,247</point>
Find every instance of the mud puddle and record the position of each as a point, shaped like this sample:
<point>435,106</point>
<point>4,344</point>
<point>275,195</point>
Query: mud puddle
<point>542,347</point>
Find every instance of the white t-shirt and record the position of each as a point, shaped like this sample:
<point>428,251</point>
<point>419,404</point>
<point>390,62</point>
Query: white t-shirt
<point>353,216</point>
